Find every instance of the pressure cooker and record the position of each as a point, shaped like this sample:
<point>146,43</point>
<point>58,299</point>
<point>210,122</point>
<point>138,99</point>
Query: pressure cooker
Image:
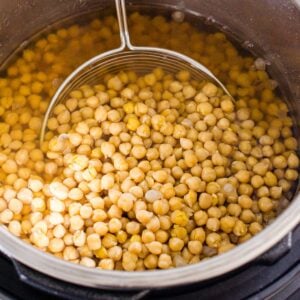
<point>269,29</point>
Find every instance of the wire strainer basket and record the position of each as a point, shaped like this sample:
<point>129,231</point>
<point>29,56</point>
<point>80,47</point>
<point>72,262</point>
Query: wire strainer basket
<point>127,57</point>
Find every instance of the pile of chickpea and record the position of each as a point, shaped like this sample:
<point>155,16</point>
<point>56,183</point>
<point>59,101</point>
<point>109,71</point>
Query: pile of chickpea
<point>141,172</point>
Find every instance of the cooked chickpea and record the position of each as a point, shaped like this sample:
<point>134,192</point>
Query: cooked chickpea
<point>195,247</point>
<point>151,261</point>
<point>265,204</point>
<point>176,244</point>
<point>15,206</point>
<point>93,241</point>
<point>164,261</point>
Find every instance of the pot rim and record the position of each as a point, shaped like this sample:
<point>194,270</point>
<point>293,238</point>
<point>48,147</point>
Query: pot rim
<point>48,264</point>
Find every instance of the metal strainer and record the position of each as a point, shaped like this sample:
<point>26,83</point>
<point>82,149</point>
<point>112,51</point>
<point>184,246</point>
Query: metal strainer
<point>127,57</point>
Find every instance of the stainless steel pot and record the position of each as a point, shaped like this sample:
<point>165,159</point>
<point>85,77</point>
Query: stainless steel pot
<point>269,28</point>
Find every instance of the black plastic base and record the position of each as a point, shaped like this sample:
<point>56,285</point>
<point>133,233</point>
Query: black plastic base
<point>276,275</point>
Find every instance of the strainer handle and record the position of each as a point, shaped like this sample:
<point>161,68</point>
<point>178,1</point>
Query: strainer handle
<point>123,25</point>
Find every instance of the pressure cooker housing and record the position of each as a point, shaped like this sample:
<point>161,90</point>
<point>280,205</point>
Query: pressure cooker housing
<point>269,28</point>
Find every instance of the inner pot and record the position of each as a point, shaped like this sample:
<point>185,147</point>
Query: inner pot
<point>266,28</point>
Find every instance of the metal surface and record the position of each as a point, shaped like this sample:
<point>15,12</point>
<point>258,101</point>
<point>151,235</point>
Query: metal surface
<point>254,281</point>
<point>127,57</point>
<point>269,28</point>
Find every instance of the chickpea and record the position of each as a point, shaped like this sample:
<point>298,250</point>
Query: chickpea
<point>164,261</point>
<point>195,247</point>
<point>15,206</point>
<point>200,217</point>
<point>205,200</point>
<point>255,228</point>
<point>93,241</point>
<point>15,228</point>
<point>213,240</point>
<point>58,190</point>
<point>213,224</point>
<point>245,201</point>
<point>208,174</point>
<point>240,228</point>
<point>265,204</point>
<point>154,247</point>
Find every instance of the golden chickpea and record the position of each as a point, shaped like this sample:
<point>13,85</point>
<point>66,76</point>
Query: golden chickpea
<point>135,247</point>
<point>209,89</point>
<point>160,207</point>
<point>25,195</point>
<point>204,108</point>
<point>154,247</point>
<point>160,176</point>
<point>76,223</point>
<point>270,179</point>
<point>257,181</point>
<point>137,174</point>
<point>208,174</point>
<point>265,204</point>
<point>15,206</point>
<point>190,158</point>
<point>245,201</point>
<point>234,209</point>
<point>247,216</point>
<point>93,241</point>
<point>240,228</point>
<point>279,162</point>
<point>213,224</point>
<point>291,143</point>
<point>164,261</point>
<point>179,217</point>
<point>276,192</point>
<point>114,225</point>
<point>200,217</point>
<point>58,190</point>
<point>126,201</point>
<point>161,236</point>
<point>87,262</point>
<point>151,261</point>
<point>205,200</point>
<point>255,228</point>
<point>261,168</point>
<point>213,240</point>
<point>133,227</point>
<point>195,247</point>
<point>56,245</point>
<point>243,176</point>
<point>293,161</point>
<point>15,228</point>
<point>138,151</point>
<point>9,166</point>
<point>290,174</point>
<point>129,261</point>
